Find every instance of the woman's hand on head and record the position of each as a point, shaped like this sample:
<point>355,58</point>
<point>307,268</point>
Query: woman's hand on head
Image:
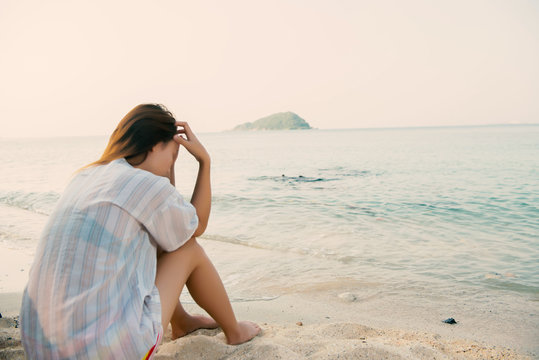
<point>201,198</point>
<point>186,138</point>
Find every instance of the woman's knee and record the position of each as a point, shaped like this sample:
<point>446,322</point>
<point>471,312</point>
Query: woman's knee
<point>183,260</point>
<point>191,249</point>
<point>192,245</point>
<point>178,265</point>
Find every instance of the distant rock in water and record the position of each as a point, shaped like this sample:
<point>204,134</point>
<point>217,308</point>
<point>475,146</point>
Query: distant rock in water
<point>280,121</point>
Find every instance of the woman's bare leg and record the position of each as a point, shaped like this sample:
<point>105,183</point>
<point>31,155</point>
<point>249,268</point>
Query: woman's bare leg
<point>190,265</point>
<point>182,322</point>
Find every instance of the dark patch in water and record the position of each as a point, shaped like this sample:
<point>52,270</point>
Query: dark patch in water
<point>359,210</point>
<point>341,171</point>
<point>357,173</point>
<point>291,179</point>
<point>369,211</point>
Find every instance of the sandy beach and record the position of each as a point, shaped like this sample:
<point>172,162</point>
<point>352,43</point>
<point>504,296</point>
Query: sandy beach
<point>284,339</point>
<point>316,325</point>
<point>340,319</point>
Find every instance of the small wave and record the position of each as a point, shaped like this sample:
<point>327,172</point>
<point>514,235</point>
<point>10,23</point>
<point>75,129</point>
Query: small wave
<point>236,241</point>
<point>38,202</point>
<point>501,282</point>
<point>357,173</point>
<point>186,299</point>
<point>303,251</point>
<point>345,172</point>
<point>291,179</point>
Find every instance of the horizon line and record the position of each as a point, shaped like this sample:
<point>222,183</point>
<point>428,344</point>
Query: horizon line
<point>312,128</point>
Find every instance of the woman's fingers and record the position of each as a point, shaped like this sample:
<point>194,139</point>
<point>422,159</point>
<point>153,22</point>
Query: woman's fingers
<point>185,137</point>
<point>183,124</point>
<point>179,139</point>
<point>186,128</point>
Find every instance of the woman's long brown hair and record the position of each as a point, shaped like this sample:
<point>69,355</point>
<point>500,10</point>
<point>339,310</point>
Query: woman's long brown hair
<point>138,132</point>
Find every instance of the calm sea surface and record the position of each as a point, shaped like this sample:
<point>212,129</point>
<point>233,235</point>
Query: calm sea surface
<point>441,207</point>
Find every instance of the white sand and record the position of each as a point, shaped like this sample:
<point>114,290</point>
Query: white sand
<point>303,327</point>
<point>312,326</point>
<point>329,341</point>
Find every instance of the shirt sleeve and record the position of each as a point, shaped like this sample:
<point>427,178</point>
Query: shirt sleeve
<point>173,223</point>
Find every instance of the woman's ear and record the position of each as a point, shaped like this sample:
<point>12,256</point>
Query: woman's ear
<point>155,147</point>
<point>162,144</point>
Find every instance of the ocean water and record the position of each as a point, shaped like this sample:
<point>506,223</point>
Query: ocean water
<point>412,208</point>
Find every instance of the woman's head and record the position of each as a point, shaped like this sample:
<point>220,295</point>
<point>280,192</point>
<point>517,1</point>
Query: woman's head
<point>138,132</point>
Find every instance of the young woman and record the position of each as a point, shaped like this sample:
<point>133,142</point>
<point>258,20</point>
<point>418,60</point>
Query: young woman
<point>119,247</point>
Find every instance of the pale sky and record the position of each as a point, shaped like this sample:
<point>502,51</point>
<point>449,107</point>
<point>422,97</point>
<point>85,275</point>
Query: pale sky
<point>76,67</point>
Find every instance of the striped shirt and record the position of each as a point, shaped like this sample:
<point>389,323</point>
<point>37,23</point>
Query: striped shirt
<point>91,291</point>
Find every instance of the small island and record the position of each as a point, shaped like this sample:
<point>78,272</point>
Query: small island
<point>279,121</point>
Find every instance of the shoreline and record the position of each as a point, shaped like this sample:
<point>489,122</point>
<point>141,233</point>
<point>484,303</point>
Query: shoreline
<point>315,326</point>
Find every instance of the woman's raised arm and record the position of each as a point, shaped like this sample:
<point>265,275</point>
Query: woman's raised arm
<point>201,198</point>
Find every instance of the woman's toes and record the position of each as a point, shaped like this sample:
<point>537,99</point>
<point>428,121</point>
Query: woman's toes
<point>193,323</point>
<point>247,330</point>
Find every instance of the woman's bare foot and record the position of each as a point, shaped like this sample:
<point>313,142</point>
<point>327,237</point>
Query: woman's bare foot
<point>189,323</point>
<point>246,331</point>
